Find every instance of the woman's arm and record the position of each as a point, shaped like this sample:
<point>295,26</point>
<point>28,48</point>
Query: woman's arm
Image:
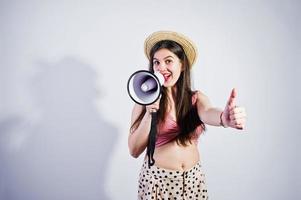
<point>207,113</point>
<point>138,136</point>
<point>232,116</point>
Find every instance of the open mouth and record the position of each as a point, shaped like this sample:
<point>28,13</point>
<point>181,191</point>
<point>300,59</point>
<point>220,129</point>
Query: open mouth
<point>167,76</point>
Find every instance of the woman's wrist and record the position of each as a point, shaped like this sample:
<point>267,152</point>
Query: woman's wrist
<point>222,123</point>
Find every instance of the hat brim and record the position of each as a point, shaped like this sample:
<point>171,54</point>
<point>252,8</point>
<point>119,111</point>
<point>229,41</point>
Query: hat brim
<point>188,46</point>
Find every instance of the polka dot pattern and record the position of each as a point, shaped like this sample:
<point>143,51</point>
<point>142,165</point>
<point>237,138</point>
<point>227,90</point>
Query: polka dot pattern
<point>158,183</point>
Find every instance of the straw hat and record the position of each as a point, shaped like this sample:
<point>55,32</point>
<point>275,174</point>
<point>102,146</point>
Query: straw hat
<point>189,47</point>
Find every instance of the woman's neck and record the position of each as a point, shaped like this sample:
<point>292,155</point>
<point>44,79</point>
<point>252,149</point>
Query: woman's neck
<point>171,92</point>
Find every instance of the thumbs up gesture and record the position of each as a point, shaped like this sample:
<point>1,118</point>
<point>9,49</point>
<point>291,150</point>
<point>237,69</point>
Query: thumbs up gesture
<point>233,116</point>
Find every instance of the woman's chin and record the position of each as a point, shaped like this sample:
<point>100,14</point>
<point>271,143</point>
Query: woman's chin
<point>168,84</point>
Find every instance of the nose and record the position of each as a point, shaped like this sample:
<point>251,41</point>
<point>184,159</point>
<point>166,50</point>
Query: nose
<point>161,67</point>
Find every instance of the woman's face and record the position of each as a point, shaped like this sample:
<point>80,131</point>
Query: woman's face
<point>169,65</point>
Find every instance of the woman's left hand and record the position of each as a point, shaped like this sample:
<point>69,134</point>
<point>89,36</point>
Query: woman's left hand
<point>233,116</point>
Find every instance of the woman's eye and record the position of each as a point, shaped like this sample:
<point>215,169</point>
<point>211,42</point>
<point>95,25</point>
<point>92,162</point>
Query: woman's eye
<point>168,61</point>
<point>155,63</point>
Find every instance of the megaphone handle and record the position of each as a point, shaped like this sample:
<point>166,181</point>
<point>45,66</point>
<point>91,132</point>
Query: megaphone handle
<point>152,139</point>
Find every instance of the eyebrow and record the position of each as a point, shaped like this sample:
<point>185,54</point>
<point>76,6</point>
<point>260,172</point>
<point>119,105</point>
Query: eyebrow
<point>164,58</point>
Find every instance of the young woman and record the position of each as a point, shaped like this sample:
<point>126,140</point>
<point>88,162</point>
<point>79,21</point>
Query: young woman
<point>176,172</point>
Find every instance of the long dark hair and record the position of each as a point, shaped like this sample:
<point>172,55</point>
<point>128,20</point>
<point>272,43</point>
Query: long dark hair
<point>186,113</point>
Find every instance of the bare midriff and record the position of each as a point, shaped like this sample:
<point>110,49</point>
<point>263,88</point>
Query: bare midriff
<point>176,157</point>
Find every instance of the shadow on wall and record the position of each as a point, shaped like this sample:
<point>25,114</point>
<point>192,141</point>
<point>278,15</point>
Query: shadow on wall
<point>66,151</point>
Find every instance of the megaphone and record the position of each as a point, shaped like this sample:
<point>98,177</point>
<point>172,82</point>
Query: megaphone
<point>144,87</point>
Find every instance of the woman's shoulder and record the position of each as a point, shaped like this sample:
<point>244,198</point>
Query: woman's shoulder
<point>198,93</point>
<point>201,100</point>
<point>199,96</point>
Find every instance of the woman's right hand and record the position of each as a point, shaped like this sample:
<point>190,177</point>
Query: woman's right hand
<point>153,107</point>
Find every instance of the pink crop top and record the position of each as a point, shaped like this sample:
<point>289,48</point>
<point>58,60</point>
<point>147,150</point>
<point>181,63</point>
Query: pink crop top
<point>169,130</point>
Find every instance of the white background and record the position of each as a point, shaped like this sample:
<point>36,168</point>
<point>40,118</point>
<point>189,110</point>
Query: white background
<point>65,112</point>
